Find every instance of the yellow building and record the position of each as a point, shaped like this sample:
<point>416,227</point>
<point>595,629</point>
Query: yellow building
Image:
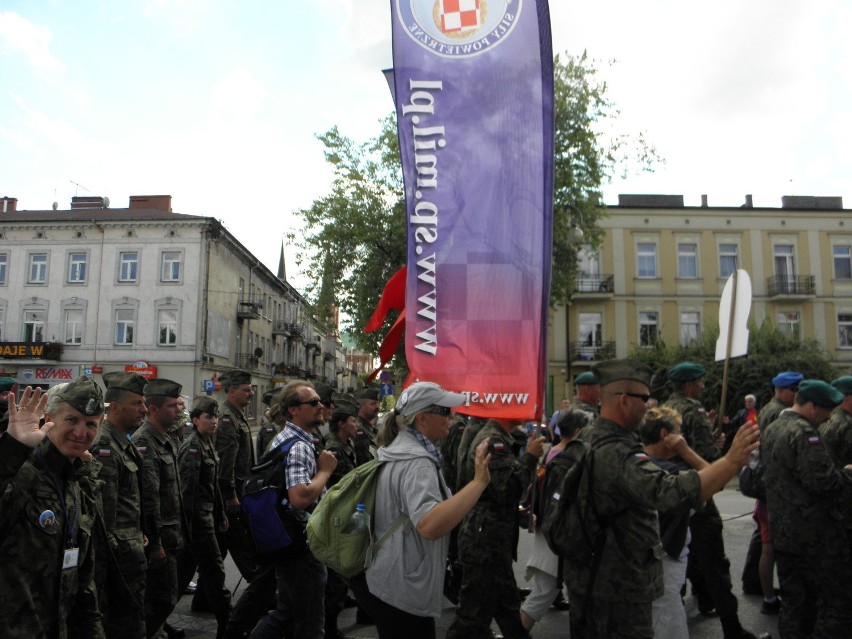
<point>661,268</point>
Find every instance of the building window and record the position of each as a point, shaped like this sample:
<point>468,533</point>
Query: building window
<point>788,323</point>
<point>168,327</point>
<point>844,330</point>
<point>690,327</point>
<point>77,267</point>
<point>38,269</point>
<point>125,319</point>
<point>2,322</point>
<point>687,260</point>
<point>646,259</point>
<point>842,262</point>
<point>649,326</point>
<point>73,326</point>
<point>34,326</point>
<point>171,266</point>
<point>128,266</point>
<point>728,259</point>
<point>4,267</point>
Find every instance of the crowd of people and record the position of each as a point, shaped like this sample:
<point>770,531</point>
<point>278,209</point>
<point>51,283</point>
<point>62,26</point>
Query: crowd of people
<point>107,514</point>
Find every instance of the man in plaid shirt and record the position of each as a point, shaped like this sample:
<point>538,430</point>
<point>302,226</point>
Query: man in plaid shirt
<point>300,577</point>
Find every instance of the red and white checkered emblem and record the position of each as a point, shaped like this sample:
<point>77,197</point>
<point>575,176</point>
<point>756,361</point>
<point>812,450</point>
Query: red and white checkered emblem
<point>457,15</point>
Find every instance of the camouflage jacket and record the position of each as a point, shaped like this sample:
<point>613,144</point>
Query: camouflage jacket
<point>628,490</point>
<point>836,434</point>
<point>365,442</point>
<point>345,455</point>
<point>162,510</point>
<point>696,426</point>
<point>490,530</point>
<point>803,488</point>
<point>38,598</point>
<point>233,444</point>
<point>770,413</point>
<point>579,404</point>
<point>265,435</point>
<point>199,484</point>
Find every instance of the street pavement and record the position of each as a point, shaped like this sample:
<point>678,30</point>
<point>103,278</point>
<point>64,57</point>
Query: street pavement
<point>736,513</point>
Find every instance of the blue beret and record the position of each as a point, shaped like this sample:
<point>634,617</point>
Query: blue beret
<point>843,384</point>
<point>788,379</point>
<point>586,379</point>
<point>820,393</point>
<point>686,372</point>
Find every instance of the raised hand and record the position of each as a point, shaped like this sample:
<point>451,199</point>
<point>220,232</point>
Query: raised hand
<point>24,417</point>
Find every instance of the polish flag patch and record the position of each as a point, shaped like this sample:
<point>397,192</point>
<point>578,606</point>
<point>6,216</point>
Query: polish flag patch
<point>814,441</point>
<point>104,452</point>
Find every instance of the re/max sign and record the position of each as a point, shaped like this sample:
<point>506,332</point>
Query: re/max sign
<point>21,349</point>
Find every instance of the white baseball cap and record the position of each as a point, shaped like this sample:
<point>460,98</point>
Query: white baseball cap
<point>421,395</point>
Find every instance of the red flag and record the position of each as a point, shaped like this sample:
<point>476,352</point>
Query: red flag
<point>393,298</point>
<point>389,344</point>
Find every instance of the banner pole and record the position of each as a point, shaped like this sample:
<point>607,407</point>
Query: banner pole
<point>731,315</point>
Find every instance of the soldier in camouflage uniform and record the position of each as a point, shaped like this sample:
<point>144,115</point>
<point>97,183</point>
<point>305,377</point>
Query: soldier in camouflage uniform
<point>488,536</point>
<point>47,586</point>
<point>836,434</point>
<point>803,490</point>
<point>118,463</point>
<point>786,385</point>
<point>201,497</point>
<point>162,510</point>
<point>588,393</point>
<point>273,424</point>
<point>365,440</point>
<point>611,595</point>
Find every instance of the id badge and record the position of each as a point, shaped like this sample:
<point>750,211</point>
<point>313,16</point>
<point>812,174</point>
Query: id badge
<point>69,560</point>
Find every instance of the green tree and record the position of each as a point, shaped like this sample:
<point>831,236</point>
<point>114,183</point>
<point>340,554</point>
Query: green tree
<point>770,351</point>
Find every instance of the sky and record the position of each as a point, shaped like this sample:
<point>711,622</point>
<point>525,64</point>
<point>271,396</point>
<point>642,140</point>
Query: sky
<point>218,102</point>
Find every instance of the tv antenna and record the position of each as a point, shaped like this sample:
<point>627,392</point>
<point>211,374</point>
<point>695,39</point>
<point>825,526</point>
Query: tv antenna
<point>79,186</point>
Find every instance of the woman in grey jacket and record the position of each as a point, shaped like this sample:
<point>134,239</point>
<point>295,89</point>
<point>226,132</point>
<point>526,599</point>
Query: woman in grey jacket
<point>402,588</point>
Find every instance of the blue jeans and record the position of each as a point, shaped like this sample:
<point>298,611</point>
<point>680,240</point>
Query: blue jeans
<point>301,594</point>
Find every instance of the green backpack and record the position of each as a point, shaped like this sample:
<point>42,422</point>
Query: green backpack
<point>348,554</point>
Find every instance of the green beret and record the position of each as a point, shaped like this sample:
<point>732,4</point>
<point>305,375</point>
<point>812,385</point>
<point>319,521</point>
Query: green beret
<point>686,372</point>
<point>83,395</point>
<point>616,370</point>
<point>368,393</point>
<point>820,393</point>
<point>586,379</point>
<point>325,393</point>
<point>843,384</point>
<point>235,378</point>
<point>206,405</point>
<point>132,382</point>
<point>164,387</point>
<point>6,384</point>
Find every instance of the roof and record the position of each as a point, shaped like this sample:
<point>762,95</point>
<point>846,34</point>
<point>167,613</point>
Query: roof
<point>98,215</point>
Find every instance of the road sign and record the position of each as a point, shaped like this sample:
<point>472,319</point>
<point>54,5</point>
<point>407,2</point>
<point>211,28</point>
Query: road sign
<point>386,377</point>
<point>386,389</point>
<point>208,385</point>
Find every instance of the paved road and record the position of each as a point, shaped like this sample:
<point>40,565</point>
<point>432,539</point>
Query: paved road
<point>735,509</point>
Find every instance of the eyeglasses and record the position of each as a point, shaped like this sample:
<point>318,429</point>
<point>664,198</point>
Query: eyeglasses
<point>311,402</point>
<point>643,396</point>
<point>443,411</point>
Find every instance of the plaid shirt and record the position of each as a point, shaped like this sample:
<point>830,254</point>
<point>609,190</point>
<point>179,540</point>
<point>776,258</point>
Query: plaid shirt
<point>301,461</point>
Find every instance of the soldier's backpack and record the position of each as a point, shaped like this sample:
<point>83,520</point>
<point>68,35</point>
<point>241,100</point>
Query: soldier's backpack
<point>273,527</point>
<point>348,554</point>
<point>561,515</point>
<point>752,483</point>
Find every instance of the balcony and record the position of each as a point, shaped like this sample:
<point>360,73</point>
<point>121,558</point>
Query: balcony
<point>248,308</point>
<point>313,343</point>
<point>582,352</point>
<point>594,286</point>
<point>295,330</point>
<point>280,327</point>
<point>791,286</point>
<point>247,361</point>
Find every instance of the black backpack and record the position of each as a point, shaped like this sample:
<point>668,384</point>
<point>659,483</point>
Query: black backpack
<point>560,514</point>
<point>752,483</point>
<point>274,528</point>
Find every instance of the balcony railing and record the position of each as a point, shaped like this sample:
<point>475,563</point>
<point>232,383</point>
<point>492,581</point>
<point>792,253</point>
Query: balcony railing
<point>247,361</point>
<point>581,351</point>
<point>595,284</point>
<point>790,285</point>
<point>248,308</point>
<point>280,327</point>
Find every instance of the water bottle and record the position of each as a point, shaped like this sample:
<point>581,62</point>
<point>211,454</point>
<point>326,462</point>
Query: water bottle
<point>359,522</point>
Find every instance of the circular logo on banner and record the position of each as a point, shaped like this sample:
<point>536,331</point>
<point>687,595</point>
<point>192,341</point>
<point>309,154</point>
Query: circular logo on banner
<point>458,28</point>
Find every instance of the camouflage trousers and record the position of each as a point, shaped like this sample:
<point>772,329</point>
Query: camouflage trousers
<point>817,595</point>
<point>488,591</point>
<point>610,619</point>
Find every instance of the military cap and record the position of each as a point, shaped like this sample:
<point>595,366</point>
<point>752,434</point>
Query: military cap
<point>235,378</point>
<point>343,411</point>
<point>616,370</point>
<point>270,397</point>
<point>421,395</point>
<point>369,392</point>
<point>6,384</point>
<point>587,378</point>
<point>843,384</point>
<point>348,402</point>
<point>132,382</point>
<point>82,394</point>
<point>164,387</point>
<point>820,393</point>
<point>206,405</point>
<point>787,379</point>
<point>325,393</point>
<point>686,372</point>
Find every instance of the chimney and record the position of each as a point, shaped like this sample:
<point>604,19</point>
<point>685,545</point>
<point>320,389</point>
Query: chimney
<point>9,204</point>
<point>152,202</point>
<point>703,200</point>
<point>749,202</point>
<point>89,202</point>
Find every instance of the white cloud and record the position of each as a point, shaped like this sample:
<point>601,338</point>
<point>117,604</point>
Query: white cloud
<point>22,36</point>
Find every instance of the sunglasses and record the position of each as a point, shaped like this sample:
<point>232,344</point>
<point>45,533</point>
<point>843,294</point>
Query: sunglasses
<point>311,402</point>
<point>443,411</point>
<point>643,396</point>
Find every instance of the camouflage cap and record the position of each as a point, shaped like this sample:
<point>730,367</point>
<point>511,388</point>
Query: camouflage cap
<point>132,382</point>
<point>83,394</point>
<point>6,384</point>
<point>616,370</point>
<point>843,384</point>
<point>206,405</point>
<point>325,393</point>
<point>686,372</point>
<point>164,387</point>
<point>235,378</point>
<point>368,393</point>
<point>586,379</point>
<point>270,397</point>
<point>347,402</point>
<point>820,393</point>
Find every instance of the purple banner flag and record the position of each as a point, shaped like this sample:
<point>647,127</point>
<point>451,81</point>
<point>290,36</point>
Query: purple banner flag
<point>474,100</point>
